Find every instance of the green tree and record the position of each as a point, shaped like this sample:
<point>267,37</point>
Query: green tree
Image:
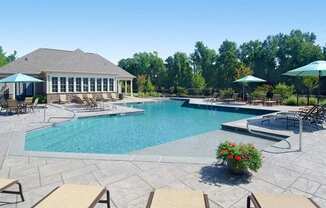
<point>204,62</point>
<point>198,81</point>
<point>5,59</point>
<point>227,63</point>
<point>242,71</point>
<point>149,64</point>
<point>179,70</point>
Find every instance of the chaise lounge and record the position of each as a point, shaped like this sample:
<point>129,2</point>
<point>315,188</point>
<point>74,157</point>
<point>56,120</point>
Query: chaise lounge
<point>72,195</point>
<point>5,183</point>
<point>262,200</point>
<point>168,198</point>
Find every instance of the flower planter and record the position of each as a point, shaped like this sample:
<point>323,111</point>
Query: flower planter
<point>235,169</point>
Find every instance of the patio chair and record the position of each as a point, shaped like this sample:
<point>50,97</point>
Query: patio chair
<point>63,99</point>
<point>89,103</point>
<point>72,195</point>
<point>3,104</point>
<point>168,198</point>
<point>5,183</point>
<point>114,97</point>
<point>105,97</point>
<point>262,200</point>
<point>257,101</point>
<point>12,106</point>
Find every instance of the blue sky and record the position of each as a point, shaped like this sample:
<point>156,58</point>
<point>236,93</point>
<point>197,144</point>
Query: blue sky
<point>117,29</point>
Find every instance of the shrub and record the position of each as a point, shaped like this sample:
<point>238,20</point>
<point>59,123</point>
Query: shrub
<point>181,91</point>
<point>41,98</point>
<point>292,100</point>
<point>208,91</point>
<point>312,101</point>
<point>261,91</point>
<point>226,93</point>
<point>194,91</point>
<point>284,90</point>
<point>240,156</point>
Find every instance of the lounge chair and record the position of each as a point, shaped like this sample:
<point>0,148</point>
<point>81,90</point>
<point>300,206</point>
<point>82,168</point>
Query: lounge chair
<point>63,99</point>
<point>71,195</point>
<point>12,105</point>
<point>105,97</point>
<point>168,198</point>
<point>114,97</point>
<point>261,200</point>
<point>32,105</point>
<point>257,101</point>
<point>5,183</point>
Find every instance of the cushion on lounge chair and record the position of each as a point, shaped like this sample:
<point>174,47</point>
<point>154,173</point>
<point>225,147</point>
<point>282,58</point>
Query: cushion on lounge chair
<point>72,196</point>
<point>283,201</point>
<point>5,183</point>
<point>167,198</point>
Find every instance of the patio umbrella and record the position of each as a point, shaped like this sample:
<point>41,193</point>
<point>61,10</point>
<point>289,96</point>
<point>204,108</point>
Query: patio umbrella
<point>19,78</point>
<point>248,79</point>
<point>316,69</point>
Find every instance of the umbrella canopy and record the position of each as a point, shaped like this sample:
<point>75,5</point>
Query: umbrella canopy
<point>249,78</point>
<point>19,78</point>
<point>316,68</point>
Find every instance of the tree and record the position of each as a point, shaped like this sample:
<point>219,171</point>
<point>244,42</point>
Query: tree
<point>227,63</point>
<point>179,70</point>
<point>204,62</point>
<point>5,59</point>
<point>144,84</point>
<point>242,71</point>
<point>310,83</point>
<point>149,64</point>
<point>198,81</point>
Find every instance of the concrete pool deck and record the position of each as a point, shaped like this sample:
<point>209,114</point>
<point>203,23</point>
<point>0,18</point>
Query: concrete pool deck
<point>130,178</point>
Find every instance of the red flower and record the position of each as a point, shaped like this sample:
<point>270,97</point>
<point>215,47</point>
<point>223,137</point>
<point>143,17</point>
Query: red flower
<point>237,158</point>
<point>230,156</point>
<point>233,144</point>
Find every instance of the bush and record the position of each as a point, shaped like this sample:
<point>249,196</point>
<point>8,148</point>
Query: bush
<point>226,93</point>
<point>261,91</point>
<point>41,98</point>
<point>181,91</point>
<point>241,157</point>
<point>208,91</point>
<point>292,100</point>
<point>194,91</point>
<point>284,90</point>
<point>312,101</point>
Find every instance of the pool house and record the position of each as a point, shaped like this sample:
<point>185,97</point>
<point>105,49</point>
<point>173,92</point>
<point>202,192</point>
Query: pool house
<point>66,72</point>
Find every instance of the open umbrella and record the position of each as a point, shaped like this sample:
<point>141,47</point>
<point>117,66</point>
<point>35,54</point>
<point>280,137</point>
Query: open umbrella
<point>316,69</point>
<point>19,78</point>
<point>248,79</point>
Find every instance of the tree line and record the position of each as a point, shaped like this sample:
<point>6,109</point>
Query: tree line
<point>207,68</point>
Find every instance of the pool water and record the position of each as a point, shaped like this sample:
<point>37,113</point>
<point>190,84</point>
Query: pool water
<point>160,123</point>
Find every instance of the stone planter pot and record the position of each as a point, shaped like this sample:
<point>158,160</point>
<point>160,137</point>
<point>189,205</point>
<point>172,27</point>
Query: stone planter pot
<point>235,169</point>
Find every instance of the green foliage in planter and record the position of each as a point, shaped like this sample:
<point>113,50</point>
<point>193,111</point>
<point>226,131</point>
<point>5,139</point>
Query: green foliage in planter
<point>260,91</point>
<point>181,91</point>
<point>240,156</point>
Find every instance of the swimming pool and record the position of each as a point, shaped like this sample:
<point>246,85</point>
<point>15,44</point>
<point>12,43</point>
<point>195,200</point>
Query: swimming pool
<point>160,123</point>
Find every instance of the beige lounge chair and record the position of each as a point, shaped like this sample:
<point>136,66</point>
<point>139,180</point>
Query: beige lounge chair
<point>262,200</point>
<point>74,196</point>
<point>114,97</point>
<point>5,183</point>
<point>168,198</point>
<point>105,97</point>
<point>63,99</point>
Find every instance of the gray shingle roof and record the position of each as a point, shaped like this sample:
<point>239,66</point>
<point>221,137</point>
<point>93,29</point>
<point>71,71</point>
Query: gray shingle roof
<point>54,60</point>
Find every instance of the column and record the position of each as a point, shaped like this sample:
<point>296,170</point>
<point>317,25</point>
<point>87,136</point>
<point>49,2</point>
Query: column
<point>131,89</point>
<point>126,87</point>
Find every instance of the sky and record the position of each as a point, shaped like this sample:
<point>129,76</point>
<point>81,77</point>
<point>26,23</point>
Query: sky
<point>118,29</point>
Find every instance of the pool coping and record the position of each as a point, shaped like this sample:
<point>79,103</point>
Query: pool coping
<point>17,145</point>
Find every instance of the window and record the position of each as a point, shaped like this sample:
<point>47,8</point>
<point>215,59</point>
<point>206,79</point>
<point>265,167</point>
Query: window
<point>105,84</point>
<point>63,84</point>
<point>54,84</point>
<point>78,84</point>
<point>92,83</point>
<point>70,84</point>
<point>111,85</point>
<point>99,84</point>
<point>85,84</point>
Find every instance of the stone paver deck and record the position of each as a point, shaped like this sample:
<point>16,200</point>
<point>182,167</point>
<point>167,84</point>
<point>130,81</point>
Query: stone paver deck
<point>130,181</point>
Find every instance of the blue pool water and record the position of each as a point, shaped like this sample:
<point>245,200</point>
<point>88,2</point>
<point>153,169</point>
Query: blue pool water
<point>161,122</point>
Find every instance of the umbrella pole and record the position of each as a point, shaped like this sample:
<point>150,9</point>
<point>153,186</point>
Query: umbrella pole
<point>318,87</point>
<point>243,92</point>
